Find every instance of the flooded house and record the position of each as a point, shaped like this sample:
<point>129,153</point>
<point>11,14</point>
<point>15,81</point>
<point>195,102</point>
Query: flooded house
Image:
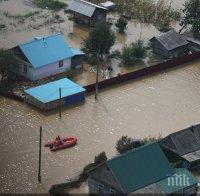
<point>145,170</point>
<point>87,13</point>
<point>183,146</point>
<point>55,94</point>
<point>170,44</point>
<point>46,56</point>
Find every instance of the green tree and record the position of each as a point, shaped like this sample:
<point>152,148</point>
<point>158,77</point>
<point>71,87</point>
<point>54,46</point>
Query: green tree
<point>101,38</point>
<point>121,24</point>
<point>8,64</point>
<point>100,158</point>
<point>133,52</point>
<point>126,143</point>
<point>192,17</point>
<point>164,25</point>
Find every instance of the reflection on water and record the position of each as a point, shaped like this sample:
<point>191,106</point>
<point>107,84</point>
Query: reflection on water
<point>154,105</point>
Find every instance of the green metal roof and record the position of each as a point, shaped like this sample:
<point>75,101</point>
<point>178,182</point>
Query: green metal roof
<point>178,181</point>
<point>140,167</point>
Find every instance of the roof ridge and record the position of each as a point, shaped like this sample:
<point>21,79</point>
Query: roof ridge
<point>133,150</point>
<point>90,3</point>
<point>39,38</point>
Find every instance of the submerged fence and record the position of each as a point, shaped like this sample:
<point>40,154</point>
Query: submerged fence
<point>144,71</point>
<point>128,76</point>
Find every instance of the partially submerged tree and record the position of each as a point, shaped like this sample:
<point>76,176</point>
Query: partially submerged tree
<point>126,143</point>
<point>164,25</point>
<point>133,52</point>
<point>100,158</point>
<point>192,17</point>
<point>101,38</point>
<point>121,24</point>
<point>8,63</point>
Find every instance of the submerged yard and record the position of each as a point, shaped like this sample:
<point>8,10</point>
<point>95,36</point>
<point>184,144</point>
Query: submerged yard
<point>155,105</point>
<point>134,109</point>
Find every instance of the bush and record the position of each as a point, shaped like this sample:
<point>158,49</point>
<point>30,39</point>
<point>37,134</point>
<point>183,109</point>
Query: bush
<point>126,143</point>
<point>121,24</point>
<point>100,158</point>
<point>51,4</point>
<point>115,54</point>
<point>133,52</point>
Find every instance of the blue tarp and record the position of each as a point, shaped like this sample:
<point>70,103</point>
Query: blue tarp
<point>45,50</point>
<point>50,91</point>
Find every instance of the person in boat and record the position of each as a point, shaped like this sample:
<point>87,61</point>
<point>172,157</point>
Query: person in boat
<point>58,141</point>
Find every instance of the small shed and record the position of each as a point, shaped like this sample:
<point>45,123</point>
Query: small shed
<point>55,94</point>
<point>170,44</point>
<point>183,145</point>
<point>87,13</point>
<point>108,4</point>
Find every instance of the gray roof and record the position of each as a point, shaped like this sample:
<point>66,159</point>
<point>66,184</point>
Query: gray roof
<point>193,156</point>
<point>193,40</point>
<point>171,40</point>
<point>83,7</point>
<point>183,142</point>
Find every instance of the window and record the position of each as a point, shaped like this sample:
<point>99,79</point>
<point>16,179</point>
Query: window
<point>100,187</point>
<point>60,63</point>
<point>25,69</point>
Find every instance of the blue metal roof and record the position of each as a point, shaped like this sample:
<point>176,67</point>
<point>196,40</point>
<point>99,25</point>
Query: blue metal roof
<point>45,50</point>
<point>50,91</point>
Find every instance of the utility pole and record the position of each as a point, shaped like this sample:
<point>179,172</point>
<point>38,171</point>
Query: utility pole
<point>60,96</point>
<point>97,76</point>
<point>40,148</point>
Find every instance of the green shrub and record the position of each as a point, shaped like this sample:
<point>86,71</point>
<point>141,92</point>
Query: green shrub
<point>100,158</point>
<point>51,4</point>
<point>133,52</point>
<point>126,143</point>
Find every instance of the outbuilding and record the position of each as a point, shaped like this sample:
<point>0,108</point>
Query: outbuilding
<point>87,13</point>
<point>183,146</point>
<point>170,44</point>
<point>55,94</point>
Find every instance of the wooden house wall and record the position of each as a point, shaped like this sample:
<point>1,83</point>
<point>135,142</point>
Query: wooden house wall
<point>93,185</point>
<point>159,49</point>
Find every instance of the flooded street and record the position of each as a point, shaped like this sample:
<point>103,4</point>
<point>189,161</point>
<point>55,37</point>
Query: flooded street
<point>159,104</point>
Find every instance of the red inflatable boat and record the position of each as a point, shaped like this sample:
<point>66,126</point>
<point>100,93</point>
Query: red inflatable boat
<point>64,143</point>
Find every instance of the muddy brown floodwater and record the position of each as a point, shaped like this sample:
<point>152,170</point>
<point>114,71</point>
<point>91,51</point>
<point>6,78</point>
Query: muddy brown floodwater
<point>159,104</point>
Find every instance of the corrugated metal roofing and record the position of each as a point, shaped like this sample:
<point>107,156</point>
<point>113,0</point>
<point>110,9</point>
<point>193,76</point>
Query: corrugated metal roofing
<point>45,50</point>
<point>83,7</point>
<point>171,40</point>
<point>141,167</point>
<point>50,91</point>
<point>172,185</point>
